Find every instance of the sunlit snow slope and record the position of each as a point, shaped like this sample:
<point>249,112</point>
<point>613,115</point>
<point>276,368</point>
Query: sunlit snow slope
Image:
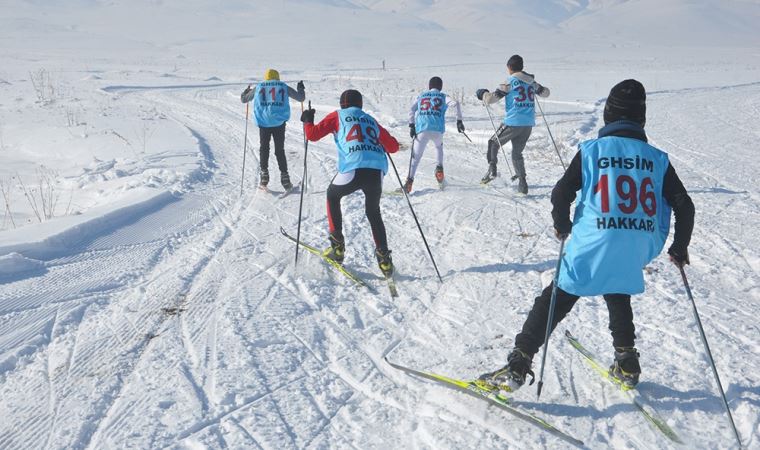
<point>162,308</point>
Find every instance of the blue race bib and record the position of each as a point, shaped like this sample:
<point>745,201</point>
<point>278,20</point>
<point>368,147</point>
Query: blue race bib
<point>270,104</point>
<point>358,141</point>
<point>621,218</point>
<point>519,104</point>
<point>431,111</point>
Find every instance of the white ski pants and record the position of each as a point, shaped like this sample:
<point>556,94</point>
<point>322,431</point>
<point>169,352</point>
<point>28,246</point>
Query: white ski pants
<point>419,148</point>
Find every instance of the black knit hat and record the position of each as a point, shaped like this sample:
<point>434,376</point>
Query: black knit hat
<point>350,98</point>
<point>515,63</point>
<point>435,83</point>
<point>627,100</point>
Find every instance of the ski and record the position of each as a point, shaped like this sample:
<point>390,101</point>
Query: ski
<point>351,276</point>
<point>648,411</point>
<point>391,285</point>
<point>491,396</point>
<point>296,188</point>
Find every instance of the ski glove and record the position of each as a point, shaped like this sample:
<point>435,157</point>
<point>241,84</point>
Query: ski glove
<point>563,230</point>
<point>300,87</point>
<point>680,257</point>
<point>247,95</point>
<point>460,126</point>
<point>412,131</point>
<point>480,92</point>
<point>307,116</point>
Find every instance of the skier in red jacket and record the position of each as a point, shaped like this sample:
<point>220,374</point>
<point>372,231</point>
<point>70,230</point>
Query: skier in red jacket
<point>362,163</point>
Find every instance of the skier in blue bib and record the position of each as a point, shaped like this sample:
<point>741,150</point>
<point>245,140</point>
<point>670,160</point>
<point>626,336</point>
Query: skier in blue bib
<point>622,219</point>
<point>362,144</point>
<point>427,123</point>
<point>519,92</point>
<point>271,110</point>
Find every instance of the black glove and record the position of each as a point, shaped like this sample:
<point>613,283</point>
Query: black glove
<point>680,257</point>
<point>246,96</point>
<point>300,87</point>
<point>412,131</point>
<point>562,230</point>
<point>480,92</point>
<point>460,126</point>
<point>307,116</point>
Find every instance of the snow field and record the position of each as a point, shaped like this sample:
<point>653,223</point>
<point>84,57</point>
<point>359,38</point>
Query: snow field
<point>190,327</point>
<point>162,309</point>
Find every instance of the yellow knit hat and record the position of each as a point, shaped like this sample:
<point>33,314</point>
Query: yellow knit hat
<point>271,74</point>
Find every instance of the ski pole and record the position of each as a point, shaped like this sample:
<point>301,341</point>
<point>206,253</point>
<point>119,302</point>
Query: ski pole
<point>550,319</point>
<point>411,156</point>
<point>245,144</point>
<point>550,135</point>
<point>415,217</point>
<point>709,354</point>
<point>303,183</point>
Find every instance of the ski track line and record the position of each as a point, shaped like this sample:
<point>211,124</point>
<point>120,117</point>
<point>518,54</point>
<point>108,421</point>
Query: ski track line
<point>336,328</point>
<point>105,418</point>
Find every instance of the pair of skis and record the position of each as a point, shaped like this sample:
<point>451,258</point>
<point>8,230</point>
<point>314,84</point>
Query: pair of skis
<point>339,267</point>
<point>493,396</point>
<point>294,189</point>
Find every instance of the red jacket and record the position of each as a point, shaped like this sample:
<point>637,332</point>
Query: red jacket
<point>331,123</point>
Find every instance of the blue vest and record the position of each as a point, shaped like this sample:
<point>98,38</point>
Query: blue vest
<point>270,104</point>
<point>358,141</point>
<point>621,218</point>
<point>431,109</point>
<point>520,109</point>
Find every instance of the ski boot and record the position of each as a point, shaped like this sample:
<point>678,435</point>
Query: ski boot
<point>384,261</point>
<point>439,174</point>
<point>490,175</point>
<point>407,187</point>
<point>522,185</point>
<point>510,377</point>
<point>285,180</point>
<point>263,179</point>
<point>626,368</point>
<point>337,250</point>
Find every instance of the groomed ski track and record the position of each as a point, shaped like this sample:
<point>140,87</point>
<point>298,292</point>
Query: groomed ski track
<point>189,326</point>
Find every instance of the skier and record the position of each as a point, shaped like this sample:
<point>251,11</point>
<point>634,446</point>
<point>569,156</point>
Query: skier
<point>520,91</point>
<point>622,220</point>
<point>272,110</point>
<point>362,163</point>
<point>426,123</point>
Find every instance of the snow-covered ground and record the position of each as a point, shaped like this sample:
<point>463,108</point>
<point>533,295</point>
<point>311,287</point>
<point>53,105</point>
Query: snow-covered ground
<point>160,308</point>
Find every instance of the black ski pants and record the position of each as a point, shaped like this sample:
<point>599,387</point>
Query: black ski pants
<point>534,329</point>
<point>265,135</point>
<point>370,182</point>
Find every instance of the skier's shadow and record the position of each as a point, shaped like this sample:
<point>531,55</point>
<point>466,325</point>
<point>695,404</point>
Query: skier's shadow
<point>510,267</point>
<point>576,410</point>
<point>667,398</point>
<point>662,398</point>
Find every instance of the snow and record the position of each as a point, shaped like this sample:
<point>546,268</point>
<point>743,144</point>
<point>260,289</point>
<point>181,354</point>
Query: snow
<point>159,307</point>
